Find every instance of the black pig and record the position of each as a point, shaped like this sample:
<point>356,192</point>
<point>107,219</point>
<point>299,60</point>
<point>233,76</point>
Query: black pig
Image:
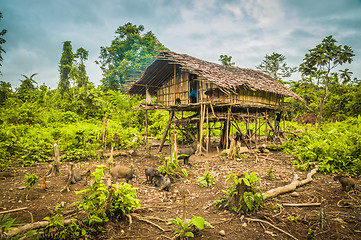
<point>163,182</point>
<point>346,182</point>
<point>185,153</point>
<point>122,172</point>
<point>150,173</point>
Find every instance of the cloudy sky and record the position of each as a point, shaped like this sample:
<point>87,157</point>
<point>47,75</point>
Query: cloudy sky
<point>245,29</point>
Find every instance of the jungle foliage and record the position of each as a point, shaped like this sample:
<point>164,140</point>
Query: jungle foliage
<point>336,147</point>
<point>32,118</point>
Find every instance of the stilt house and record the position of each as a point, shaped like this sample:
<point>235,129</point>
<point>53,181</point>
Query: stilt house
<point>184,83</point>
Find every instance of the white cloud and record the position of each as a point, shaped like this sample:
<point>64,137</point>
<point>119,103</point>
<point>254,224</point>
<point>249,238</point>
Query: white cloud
<point>244,29</point>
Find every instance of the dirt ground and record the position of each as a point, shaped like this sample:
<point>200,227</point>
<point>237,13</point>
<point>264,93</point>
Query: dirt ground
<point>343,212</point>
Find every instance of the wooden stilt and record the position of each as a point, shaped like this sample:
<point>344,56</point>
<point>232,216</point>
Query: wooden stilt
<point>175,146</point>
<point>255,130</point>
<point>266,133</point>
<point>171,115</point>
<point>284,121</point>
<point>191,135</point>
<point>228,127</point>
<point>248,127</point>
<point>146,129</point>
<point>201,121</point>
<point>208,138</point>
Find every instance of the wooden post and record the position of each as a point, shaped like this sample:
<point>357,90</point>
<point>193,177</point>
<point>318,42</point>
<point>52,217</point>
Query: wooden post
<point>146,129</point>
<point>208,141</point>
<point>191,135</point>
<point>228,127</point>
<point>284,121</point>
<point>255,130</point>
<point>266,119</point>
<point>201,121</point>
<point>247,127</point>
<point>171,115</point>
<point>175,146</point>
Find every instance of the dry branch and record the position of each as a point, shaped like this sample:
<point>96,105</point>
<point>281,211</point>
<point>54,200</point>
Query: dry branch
<point>262,221</point>
<point>23,229</point>
<point>139,218</point>
<point>301,204</point>
<point>13,210</point>
<point>290,187</point>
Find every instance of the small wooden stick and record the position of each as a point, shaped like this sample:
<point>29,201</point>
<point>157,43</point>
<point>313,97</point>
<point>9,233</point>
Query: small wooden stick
<point>13,210</point>
<point>262,221</point>
<point>301,204</point>
<point>147,221</point>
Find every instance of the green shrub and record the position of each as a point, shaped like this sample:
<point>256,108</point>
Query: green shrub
<point>252,198</point>
<point>30,180</point>
<point>337,147</point>
<point>100,206</point>
<point>206,181</point>
<point>185,229</point>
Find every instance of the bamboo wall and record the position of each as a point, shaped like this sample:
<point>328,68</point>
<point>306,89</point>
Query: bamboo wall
<point>178,86</point>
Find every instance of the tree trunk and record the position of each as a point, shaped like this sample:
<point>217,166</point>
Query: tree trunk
<point>54,170</point>
<point>319,119</point>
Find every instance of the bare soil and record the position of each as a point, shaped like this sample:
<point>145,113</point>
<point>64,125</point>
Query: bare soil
<point>343,212</point>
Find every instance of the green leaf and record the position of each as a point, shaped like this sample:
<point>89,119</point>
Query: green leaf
<point>248,199</point>
<point>208,224</point>
<point>189,234</point>
<point>198,222</point>
<point>253,177</point>
<point>173,221</point>
<point>245,180</point>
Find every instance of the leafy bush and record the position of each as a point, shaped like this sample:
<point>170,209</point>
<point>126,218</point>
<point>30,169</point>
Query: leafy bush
<point>56,229</point>
<point>206,181</point>
<point>30,179</point>
<point>100,206</point>
<point>185,229</point>
<point>170,166</point>
<point>337,147</point>
<point>244,193</point>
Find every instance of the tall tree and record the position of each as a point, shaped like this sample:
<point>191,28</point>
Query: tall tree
<point>2,41</point>
<point>5,91</point>
<point>78,72</point>
<point>321,60</point>
<point>226,60</point>
<point>66,63</point>
<point>27,88</point>
<point>131,51</point>
<point>275,65</point>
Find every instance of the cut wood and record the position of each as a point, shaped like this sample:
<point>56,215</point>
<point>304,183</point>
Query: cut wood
<point>301,204</point>
<point>23,229</point>
<point>290,187</point>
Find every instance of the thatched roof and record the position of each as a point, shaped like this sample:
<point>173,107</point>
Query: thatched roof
<point>227,77</point>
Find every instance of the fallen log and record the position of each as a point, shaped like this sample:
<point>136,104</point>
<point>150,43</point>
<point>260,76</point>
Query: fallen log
<point>290,187</point>
<point>24,229</point>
